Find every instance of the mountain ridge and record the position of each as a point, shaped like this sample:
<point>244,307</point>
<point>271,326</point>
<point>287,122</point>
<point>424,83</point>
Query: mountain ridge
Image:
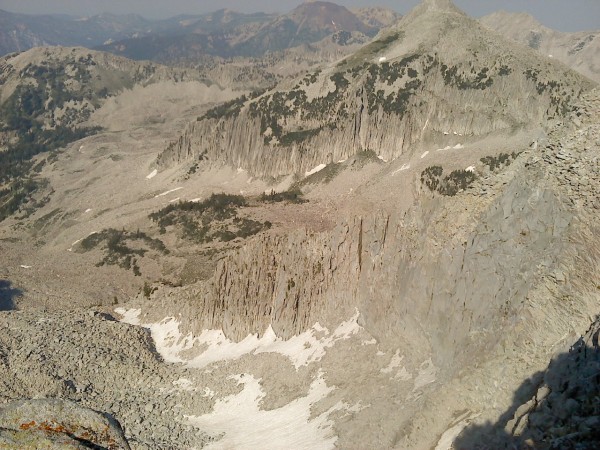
<point>407,80</point>
<point>579,50</point>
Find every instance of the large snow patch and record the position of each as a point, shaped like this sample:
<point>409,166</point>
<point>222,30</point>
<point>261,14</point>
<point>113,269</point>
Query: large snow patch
<point>213,346</point>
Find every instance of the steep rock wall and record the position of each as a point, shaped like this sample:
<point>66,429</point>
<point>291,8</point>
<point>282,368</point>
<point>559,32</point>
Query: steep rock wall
<point>451,273</point>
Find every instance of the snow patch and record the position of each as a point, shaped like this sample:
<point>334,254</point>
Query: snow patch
<point>184,384</point>
<point>241,422</point>
<point>315,170</point>
<point>404,167</point>
<point>70,249</point>
<point>448,147</point>
<point>302,350</point>
<point>88,210</point>
<point>382,59</point>
<point>152,174</point>
<point>382,158</point>
<point>395,363</point>
<point>426,375</point>
<point>208,393</point>
<point>168,192</point>
<point>175,200</point>
<point>470,169</point>
<point>23,266</point>
<point>447,440</point>
<point>130,316</point>
<point>425,154</point>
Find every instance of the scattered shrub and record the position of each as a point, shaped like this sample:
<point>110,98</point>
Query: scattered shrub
<point>450,185</point>
<point>290,196</point>
<point>214,219</point>
<point>499,161</point>
<point>118,252</point>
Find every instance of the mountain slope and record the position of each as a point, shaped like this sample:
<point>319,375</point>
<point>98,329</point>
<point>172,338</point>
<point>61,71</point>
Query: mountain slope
<point>580,51</point>
<point>444,306</point>
<point>419,294</point>
<point>377,17</point>
<point>435,73</point>
<point>309,22</point>
<point>47,96</point>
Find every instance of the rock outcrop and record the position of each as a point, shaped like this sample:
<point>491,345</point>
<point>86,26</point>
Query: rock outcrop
<point>562,411</point>
<point>77,362</point>
<point>436,73</point>
<point>57,424</point>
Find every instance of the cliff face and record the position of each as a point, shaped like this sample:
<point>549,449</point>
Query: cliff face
<point>448,276</point>
<point>437,73</point>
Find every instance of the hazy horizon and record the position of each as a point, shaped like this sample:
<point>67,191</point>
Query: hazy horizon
<point>575,15</point>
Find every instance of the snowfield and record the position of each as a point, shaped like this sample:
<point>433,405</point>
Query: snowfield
<point>238,419</point>
<point>301,350</point>
<point>241,422</point>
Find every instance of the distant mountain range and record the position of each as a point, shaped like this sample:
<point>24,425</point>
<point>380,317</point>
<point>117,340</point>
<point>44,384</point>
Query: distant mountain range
<point>228,34</point>
<point>223,33</point>
<point>20,32</point>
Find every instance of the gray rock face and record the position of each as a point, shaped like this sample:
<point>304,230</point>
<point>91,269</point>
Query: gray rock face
<point>57,424</point>
<point>563,410</point>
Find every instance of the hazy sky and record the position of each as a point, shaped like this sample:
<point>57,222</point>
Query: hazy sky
<point>566,15</point>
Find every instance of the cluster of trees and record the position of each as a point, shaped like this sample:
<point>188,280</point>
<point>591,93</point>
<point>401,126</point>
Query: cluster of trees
<point>214,219</point>
<point>450,185</point>
<point>118,250</point>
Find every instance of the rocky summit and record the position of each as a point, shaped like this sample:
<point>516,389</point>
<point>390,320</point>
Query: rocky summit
<point>399,249</point>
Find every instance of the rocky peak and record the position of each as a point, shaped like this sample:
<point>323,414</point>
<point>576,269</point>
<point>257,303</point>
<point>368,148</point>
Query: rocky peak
<point>446,6</point>
<point>319,15</point>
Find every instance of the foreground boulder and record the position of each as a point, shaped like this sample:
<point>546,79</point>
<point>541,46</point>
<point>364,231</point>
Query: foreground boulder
<point>57,424</point>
